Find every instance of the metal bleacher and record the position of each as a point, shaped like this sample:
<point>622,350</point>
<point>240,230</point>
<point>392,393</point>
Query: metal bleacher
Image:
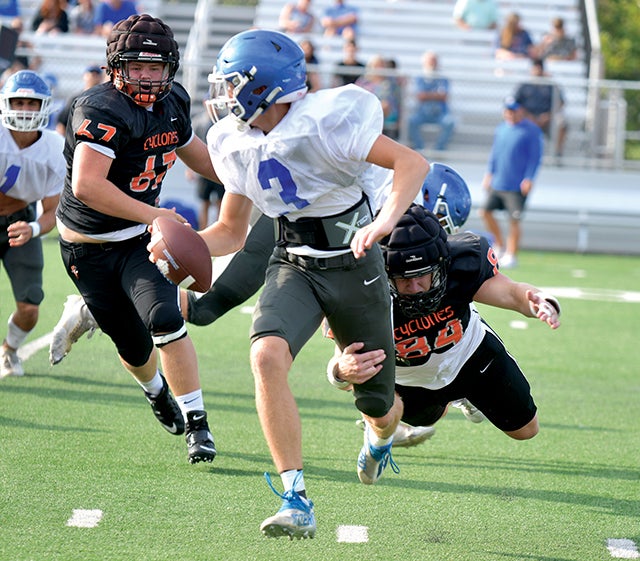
<point>405,29</point>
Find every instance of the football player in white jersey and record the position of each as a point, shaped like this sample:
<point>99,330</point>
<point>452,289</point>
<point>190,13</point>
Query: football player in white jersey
<point>313,162</point>
<point>33,170</point>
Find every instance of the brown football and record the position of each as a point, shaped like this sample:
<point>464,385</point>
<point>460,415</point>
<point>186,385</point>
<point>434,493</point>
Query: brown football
<point>181,254</point>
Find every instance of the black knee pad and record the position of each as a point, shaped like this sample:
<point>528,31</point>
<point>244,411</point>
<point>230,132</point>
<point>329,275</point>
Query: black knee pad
<point>374,406</point>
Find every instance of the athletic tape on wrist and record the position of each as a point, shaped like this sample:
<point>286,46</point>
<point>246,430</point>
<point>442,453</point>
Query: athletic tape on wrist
<point>35,229</point>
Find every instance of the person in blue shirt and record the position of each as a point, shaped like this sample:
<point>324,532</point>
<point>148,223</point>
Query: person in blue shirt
<point>110,12</point>
<point>340,20</point>
<point>514,161</point>
<point>432,93</point>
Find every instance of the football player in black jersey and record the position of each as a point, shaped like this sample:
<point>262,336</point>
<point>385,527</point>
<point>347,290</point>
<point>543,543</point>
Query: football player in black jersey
<point>124,136</point>
<point>444,350</point>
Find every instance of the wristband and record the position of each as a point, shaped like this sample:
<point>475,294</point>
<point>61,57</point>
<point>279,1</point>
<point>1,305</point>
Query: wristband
<point>552,300</point>
<point>35,229</point>
<point>331,376</point>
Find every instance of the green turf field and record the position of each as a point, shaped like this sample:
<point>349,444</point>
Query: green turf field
<point>80,436</point>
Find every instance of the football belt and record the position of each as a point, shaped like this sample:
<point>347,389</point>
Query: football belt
<point>328,233</point>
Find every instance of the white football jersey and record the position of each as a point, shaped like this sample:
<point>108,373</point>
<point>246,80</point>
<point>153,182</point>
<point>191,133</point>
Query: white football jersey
<point>313,163</point>
<point>33,173</point>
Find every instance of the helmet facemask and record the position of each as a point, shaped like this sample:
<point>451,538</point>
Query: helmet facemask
<point>422,303</point>
<point>143,92</point>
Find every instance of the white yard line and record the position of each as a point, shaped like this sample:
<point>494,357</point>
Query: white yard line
<point>83,518</point>
<point>352,534</point>
<point>623,549</point>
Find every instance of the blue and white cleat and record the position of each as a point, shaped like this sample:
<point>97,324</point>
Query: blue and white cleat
<point>373,460</point>
<point>295,518</point>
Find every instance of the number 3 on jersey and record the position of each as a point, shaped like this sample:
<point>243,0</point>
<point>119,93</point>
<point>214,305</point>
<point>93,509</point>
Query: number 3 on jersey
<point>272,174</point>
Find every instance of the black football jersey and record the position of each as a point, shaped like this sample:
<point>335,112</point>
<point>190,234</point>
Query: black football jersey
<point>422,341</point>
<point>144,143</point>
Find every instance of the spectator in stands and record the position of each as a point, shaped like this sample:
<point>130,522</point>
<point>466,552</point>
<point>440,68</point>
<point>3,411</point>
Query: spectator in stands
<point>348,69</point>
<point>476,14</point>
<point>313,77</point>
<point>556,44</point>
<point>296,17</point>
<point>340,20</point>
<point>378,81</point>
<point>432,96</point>
<point>92,76</point>
<point>515,157</point>
<point>82,17</point>
<point>543,103</point>
<point>513,41</point>
<point>109,12</point>
<point>51,18</point>
<point>9,9</point>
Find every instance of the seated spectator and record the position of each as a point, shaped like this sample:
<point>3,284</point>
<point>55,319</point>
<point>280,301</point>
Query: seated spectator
<point>557,45</point>
<point>513,41</point>
<point>82,17</point>
<point>51,18</point>
<point>340,20</point>
<point>296,17</point>
<point>313,78</point>
<point>476,14</point>
<point>432,94</point>
<point>378,81</point>
<point>543,103</point>
<point>347,70</point>
<point>110,12</point>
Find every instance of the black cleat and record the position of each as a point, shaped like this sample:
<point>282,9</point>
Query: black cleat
<point>199,439</point>
<point>166,410</point>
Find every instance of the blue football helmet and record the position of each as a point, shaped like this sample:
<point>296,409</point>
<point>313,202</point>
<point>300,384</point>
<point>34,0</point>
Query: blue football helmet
<point>254,70</point>
<point>446,194</point>
<point>25,84</point>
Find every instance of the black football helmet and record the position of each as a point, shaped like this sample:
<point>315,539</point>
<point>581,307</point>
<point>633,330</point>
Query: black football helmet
<point>417,246</point>
<point>142,38</point>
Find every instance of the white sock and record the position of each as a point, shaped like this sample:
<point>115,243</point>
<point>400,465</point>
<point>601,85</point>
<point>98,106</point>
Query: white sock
<point>289,478</point>
<point>375,440</point>
<point>154,386</point>
<point>191,401</point>
<point>15,335</point>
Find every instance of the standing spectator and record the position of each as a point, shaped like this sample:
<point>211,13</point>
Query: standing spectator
<point>543,103</point>
<point>296,17</point>
<point>513,41</point>
<point>109,12</point>
<point>476,14</point>
<point>124,136</point>
<point>379,82</point>
<point>209,192</point>
<point>347,70</point>
<point>557,45</point>
<point>313,77</point>
<point>92,76</point>
<point>51,18</point>
<point>312,162</point>
<point>82,17</point>
<point>432,96</point>
<point>513,164</point>
<point>34,169</point>
<point>340,20</point>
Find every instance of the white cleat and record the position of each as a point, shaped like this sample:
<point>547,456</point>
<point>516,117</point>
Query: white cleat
<point>76,320</point>
<point>407,435</point>
<point>10,363</point>
<point>472,413</point>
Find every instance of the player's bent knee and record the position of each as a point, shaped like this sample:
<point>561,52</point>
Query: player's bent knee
<point>373,406</point>
<point>527,432</point>
<point>166,338</point>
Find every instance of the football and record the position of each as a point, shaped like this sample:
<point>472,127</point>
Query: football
<point>181,254</point>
